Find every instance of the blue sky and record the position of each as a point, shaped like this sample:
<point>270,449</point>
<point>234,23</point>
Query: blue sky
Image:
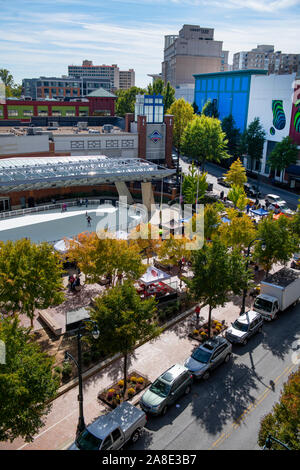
<point>39,37</point>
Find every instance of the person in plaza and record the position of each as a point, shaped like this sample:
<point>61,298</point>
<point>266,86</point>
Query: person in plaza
<point>80,202</point>
<point>71,281</point>
<point>86,202</point>
<point>89,220</point>
<point>221,195</point>
<point>248,208</point>
<point>197,311</point>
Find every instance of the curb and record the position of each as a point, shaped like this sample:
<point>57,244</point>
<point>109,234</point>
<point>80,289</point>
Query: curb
<point>86,375</point>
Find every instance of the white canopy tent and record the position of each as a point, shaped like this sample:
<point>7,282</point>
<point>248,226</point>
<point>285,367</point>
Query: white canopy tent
<point>63,245</point>
<point>153,275</point>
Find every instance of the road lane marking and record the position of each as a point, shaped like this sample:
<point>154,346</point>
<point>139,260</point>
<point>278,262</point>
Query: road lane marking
<point>248,410</point>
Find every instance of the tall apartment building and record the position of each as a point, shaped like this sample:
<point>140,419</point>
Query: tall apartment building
<point>63,88</point>
<point>119,78</point>
<point>264,57</point>
<point>193,51</point>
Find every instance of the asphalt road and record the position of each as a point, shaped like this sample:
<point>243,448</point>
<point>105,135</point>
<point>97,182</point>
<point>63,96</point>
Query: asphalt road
<point>224,412</point>
<point>215,172</point>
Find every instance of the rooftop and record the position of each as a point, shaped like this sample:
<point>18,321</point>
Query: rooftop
<point>283,278</point>
<point>232,72</point>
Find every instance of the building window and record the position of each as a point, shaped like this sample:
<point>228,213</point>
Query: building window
<point>56,113</point>
<point>43,113</point>
<point>94,144</point>
<point>127,143</point>
<point>112,144</point>
<point>13,112</point>
<point>70,113</point>
<point>27,112</point>
<point>83,113</point>
<point>77,144</point>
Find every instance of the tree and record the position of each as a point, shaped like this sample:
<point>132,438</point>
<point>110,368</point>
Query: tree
<point>237,195</point>
<point>233,135</point>
<point>212,219</point>
<point>252,141</point>
<point>217,272</point>
<point>203,139</point>
<point>210,109</point>
<point>183,113</point>
<point>285,153</point>
<point>194,185</point>
<point>30,277</point>
<point>196,108</point>
<point>124,320</point>
<point>172,250</point>
<point>6,77</point>
<point>239,232</point>
<point>146,237</point>
<point>26,383</point>
<point>295,222</point>
<point>277,242</point>
<point>283,422</point>
<point>101,255</point>
<point>236,175</point>
<point>168,92</point>
<point>126,100</point>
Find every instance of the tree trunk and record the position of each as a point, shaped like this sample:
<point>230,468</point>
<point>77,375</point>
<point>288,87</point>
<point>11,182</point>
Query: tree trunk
<point>209,322</point>
<point>125,374</point>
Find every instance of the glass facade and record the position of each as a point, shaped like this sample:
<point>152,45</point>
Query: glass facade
<point>150,106</point>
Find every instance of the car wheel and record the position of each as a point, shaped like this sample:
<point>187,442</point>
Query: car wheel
<point>206,375</point>
<point>164,410</point>
<point>135,436</point>
<point>187,390</point>
<point>227,358</point>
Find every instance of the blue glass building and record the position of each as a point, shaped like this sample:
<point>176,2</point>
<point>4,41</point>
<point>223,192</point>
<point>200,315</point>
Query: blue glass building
<point>230,90</point>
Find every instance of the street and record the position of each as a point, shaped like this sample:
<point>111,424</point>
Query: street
<point>225,411</point>
<point>215,172</point>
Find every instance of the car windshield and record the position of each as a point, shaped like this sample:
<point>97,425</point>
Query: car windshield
<point>201,355</point>
<point>160,388</point>
<point>263,304</point>
<point>87,441</point>
<point>240,326</point>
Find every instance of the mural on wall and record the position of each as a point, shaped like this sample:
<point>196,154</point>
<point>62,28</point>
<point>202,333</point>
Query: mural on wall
<point>279,120</point>
<point>155,136</point>
<point>297,117</point>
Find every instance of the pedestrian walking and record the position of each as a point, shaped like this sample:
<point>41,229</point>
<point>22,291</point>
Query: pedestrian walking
<point>197,311</point>
<point>89,220</point>
<point>221,195</point>
<point>86,202</point>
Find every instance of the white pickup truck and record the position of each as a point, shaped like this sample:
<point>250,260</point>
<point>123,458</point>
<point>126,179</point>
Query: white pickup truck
<point>113,430</point>
<point>278,292</point>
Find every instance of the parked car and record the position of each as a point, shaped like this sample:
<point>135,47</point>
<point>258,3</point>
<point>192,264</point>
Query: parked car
<point>272,198</point>
<point>208,356</point>
<point>251,191</point>
<point>166,389</point>
<point>113,430</point>
<point>223,182</point>
<point>280,206</point>
<point>244,327</point>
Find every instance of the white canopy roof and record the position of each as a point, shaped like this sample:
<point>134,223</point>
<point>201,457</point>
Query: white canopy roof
<point>153,275</point>
<point>63,245</point>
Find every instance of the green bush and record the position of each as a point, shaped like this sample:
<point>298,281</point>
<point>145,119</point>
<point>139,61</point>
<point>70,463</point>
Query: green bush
<point>66,370</point>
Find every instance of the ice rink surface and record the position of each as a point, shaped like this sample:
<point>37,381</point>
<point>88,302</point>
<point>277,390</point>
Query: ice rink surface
<point>54,225</point>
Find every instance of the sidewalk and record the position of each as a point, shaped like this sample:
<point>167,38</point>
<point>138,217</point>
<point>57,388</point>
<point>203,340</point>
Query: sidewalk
<point>150,359</point>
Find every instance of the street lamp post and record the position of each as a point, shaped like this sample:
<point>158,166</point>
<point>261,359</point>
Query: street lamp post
<point>268,443</point>
<point>95,334</point>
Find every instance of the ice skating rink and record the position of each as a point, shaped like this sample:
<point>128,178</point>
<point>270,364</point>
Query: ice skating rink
<point>54,225</point>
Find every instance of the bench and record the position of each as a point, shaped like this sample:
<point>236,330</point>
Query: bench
<point>48,320</point>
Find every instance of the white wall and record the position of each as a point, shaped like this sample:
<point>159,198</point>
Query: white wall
<point>13,145</point>
<point>263,90</point>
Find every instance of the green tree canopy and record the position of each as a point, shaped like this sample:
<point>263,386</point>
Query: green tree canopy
<point>283,422</point>
<point>126,100</point>
<point>277,242</point>
<point>285,153</point>
<point>124,320</point>
<point>193,185</point>
<point>252,141</point>
<point>26,383</point>
<point>210,109</point>
<point>217,272</point>
<point>183,113</point>
<point>237,195</point>
<point>30,277</point>
<point>204,140</point>
<point>168,92</point>
<point>11,88</point>
<point>236,175</point>
<point>233,135</point>
<point>240,232</point>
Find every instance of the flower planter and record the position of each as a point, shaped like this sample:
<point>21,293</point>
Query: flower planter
<point>113,395</point>
<point>200,333</point>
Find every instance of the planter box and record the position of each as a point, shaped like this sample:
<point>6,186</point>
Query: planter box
<point>216,329</point>
<point>113,395</point>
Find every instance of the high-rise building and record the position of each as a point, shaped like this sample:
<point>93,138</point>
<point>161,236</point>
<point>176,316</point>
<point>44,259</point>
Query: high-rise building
<point>265,58</point>
<point>193,51</point>
<point>118,78</point>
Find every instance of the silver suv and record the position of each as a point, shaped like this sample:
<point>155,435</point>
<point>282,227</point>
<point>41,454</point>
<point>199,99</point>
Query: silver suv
<point>209,355</point>
<point>166,389</point>
<point>244,326</point>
